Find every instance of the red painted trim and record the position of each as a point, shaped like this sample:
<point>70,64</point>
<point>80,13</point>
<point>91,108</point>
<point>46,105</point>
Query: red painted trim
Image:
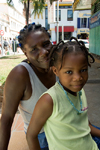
<point>66,28</point>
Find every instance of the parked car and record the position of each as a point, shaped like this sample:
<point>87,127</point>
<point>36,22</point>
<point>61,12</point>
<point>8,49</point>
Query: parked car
<point>86,42</point>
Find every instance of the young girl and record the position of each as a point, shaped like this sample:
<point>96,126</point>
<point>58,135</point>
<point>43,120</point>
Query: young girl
<point>62,110</point>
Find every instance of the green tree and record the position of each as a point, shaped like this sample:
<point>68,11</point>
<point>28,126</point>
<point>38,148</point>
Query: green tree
<point>39,6</point>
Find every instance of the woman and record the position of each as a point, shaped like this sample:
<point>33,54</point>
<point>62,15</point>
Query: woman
<point>27,81</point>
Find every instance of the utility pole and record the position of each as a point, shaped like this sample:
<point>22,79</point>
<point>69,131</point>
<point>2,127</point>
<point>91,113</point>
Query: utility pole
<point>57,21</point>
<point>62,32</point>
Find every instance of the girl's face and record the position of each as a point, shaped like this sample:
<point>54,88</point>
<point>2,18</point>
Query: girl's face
<point>74,72</point>
<point>37,49</point>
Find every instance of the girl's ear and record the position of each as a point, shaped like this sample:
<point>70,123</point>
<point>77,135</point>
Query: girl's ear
<point>55,70</point>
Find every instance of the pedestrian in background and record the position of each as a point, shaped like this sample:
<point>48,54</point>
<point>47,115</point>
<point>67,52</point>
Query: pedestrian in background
<point>10,43</point>
<point>6,46</point>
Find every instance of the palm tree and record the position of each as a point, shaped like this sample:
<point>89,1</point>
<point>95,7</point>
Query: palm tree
<point>10,3</point>
<point>39,6</point>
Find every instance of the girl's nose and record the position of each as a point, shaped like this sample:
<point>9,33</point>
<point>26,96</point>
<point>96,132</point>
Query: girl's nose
<point>77,77</point>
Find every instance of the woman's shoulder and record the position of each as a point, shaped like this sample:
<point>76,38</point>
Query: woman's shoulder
<point>18,73</point>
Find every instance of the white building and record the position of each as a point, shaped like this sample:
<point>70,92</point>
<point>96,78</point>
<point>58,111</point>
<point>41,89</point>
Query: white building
<point>11,20</point>
<point>67,21</point>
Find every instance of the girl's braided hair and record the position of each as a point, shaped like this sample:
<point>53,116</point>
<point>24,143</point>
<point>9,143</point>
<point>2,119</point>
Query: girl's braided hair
<point>27,30</point>
<point>58,51</point>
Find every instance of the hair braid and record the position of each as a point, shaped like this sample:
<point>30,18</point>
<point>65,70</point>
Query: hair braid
<point>58,51</point>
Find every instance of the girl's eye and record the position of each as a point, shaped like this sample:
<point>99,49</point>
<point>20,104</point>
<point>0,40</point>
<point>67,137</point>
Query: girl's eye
<point>84,70</point>
<point>69,72</point>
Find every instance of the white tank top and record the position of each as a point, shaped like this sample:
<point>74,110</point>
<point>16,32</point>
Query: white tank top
<point>26,107</point>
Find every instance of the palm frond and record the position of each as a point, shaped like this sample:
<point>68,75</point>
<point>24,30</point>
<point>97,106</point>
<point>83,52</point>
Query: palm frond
<point>10,3</point>
<point>39,6</point>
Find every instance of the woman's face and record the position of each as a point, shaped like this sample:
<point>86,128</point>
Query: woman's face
<point>37,49</point>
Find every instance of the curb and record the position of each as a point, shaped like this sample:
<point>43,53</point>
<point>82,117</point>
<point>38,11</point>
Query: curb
<point>95,81</point>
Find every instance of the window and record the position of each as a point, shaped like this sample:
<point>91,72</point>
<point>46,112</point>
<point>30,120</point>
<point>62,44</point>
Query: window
<point>5,29</point>
<point>59,15</point>
<point>67,35</point>
<point>83,23</point>
<point>69,15</point>
<point>46,12</point>
<point>64,7</point>
<point>46,19</point>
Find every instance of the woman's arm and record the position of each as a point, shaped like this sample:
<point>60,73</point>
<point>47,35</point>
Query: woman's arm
<point>13,92</point>
<point>94,131</point>
<point>42,112</point>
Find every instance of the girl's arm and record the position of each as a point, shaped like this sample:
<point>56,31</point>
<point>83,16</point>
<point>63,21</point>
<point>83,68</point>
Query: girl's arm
<point>42,112</point>
<point>94,131</point>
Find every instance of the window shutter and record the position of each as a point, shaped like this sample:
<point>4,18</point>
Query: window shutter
<point>78,22</point>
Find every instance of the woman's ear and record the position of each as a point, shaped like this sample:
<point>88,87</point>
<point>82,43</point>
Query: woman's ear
<point>25,53</point>
<point>55,70</point>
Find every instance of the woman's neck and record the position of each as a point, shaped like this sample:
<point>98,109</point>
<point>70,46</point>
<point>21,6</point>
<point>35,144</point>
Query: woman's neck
<point>39,70</point>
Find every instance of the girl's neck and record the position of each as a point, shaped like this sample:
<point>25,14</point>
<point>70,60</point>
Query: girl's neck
<point>67,90</point>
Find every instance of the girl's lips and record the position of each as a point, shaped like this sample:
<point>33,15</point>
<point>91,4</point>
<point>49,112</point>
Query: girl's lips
<point>77,86</point>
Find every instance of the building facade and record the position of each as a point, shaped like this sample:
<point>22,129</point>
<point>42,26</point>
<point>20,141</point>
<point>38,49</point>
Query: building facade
<point>83,24</point>
<point>94,22</point>
<point>67,21</point>
<point>11,21</point>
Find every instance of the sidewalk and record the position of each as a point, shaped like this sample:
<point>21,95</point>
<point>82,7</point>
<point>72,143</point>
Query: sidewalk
<point>11,52</point>
<point>94,70</point>
<point>92,89</point>
<point>18,137</point>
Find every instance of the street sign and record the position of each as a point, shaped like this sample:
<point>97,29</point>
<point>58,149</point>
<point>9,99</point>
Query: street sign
<point>1,32</point>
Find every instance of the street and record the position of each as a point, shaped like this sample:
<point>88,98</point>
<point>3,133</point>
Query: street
<point>93,98</point>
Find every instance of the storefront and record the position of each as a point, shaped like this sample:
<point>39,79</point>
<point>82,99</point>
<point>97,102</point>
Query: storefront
<point>67,31</point>
<point>83,33</point>
<point>83,24</point>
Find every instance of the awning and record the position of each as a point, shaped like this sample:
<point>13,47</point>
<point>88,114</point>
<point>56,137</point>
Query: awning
<point>65,28</point>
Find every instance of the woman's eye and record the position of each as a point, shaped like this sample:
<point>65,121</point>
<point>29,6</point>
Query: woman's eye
<point>84,70</point>
<point>34,49</point>
<point>46,44</point>
<point>69,72</point>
